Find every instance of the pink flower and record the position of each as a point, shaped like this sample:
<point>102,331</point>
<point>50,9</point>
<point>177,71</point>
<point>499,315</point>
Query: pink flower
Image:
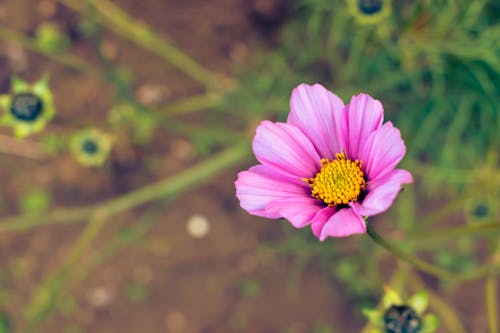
<point>328,166</point>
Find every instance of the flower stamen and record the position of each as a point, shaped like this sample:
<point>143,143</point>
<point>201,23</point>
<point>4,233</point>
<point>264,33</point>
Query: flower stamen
<point>339,181</point>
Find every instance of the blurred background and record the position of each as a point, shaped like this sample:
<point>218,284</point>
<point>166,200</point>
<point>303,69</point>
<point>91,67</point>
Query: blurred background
<point>119,213</point>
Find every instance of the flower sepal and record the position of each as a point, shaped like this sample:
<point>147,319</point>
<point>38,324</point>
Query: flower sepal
<point>398,315</point>
<point>29,107</point>
<point>91,147</point>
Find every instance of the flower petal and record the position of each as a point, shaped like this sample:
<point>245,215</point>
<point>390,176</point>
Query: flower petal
<point>343,223</point>
<point>383,191</point>
<point>319,220</point>
<point>317,112</point>
<point>284,148</point>
<point>298,210</point>
<point>364,115</point>
<point>383,150</point>
<point>258,186</point>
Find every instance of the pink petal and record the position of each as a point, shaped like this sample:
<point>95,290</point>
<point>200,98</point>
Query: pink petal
<point>383,191</point>
<point>298,210</point>
<point>258,186</point>
<point>319,220</point>
<point>364,115</point>
<point>317,112</point>
<point>382,151</point>
<point>343,223</point>
<point>284,148</point>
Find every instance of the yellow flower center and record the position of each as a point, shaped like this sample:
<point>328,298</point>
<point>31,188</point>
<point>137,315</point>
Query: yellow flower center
<point>338,182</point>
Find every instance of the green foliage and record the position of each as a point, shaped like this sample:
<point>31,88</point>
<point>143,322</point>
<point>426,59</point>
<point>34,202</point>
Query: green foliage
<point>435,67</point>
<point>433,64</point>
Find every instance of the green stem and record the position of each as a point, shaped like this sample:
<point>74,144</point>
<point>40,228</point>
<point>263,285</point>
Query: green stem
<point>141,34</point>
<point>491,302</point>
<point>422,265</point>
<point>63,58</point>
<point>45,296</point>
<point>179,182</point>
<point>122,86</point>
<point>124,237</point>
<point>443,211</point>
<point>457,231</point>
<point>190,104</point>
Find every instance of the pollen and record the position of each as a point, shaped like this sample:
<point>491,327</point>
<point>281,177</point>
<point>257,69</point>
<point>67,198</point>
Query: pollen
<point>339,181</point>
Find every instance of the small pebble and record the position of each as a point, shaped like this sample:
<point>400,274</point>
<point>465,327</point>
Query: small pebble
<point>198,226</point>
<point>100,297</point>
<point>152,94</point>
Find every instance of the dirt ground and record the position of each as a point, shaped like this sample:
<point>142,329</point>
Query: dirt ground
<point>170,281</point>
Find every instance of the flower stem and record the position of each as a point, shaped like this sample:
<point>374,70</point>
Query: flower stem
<point>66,59</point>
<point>422,265</point>
<point>190,104</point>
<point>164,188</point>
<point>491,302</point>
<point>44,297</point>
<point>486,228</point>
<point>141,34</point>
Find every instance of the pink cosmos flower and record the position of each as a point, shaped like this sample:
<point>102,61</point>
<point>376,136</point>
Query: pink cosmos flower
<point>328,166</point>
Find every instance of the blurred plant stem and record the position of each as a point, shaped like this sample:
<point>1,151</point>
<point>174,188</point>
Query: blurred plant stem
<point>491,288</point>
<point>141,34</point>
<point>462,230</point>
<point>190,177</point>
<point>45,297</point>
<point>66,59</point>
<point>182,106</point>
<point>443,211</point>
<point>190,104</point>
<point>122,238</point>
<point>491,302</point>
<point>424,266</point>
<point>50,290</point>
